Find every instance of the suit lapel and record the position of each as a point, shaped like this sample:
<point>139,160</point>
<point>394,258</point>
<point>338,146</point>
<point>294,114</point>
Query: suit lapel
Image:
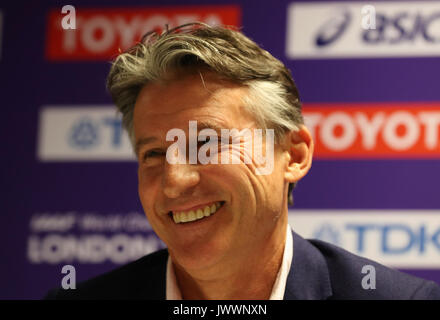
<point>151,282</point>
<point>308,277</point>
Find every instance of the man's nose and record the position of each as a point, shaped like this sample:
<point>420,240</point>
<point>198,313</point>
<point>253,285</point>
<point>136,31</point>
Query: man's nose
<point>179,178</point>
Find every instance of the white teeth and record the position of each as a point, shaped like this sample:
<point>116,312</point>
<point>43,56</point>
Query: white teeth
<point>207,211</point>
<point>188,216</point>
<point>191,216</point>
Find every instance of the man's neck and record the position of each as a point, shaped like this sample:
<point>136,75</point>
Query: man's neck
<point>250,277</point>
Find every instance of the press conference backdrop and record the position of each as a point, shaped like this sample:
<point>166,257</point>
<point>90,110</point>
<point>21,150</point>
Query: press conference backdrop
<point>371,100</point>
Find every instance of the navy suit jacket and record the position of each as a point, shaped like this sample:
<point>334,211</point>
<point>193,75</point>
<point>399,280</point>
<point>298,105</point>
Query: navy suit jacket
<point>319,271</point>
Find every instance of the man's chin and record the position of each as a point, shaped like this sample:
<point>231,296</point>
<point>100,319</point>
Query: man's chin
<point>200,257</point>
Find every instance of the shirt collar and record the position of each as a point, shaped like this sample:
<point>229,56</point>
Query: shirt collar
<point>173,291</point>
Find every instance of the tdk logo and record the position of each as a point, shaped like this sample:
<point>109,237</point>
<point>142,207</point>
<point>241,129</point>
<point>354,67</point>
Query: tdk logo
<point>86,134</point>
<point>328,233</point>
<point>398,238</point>
<point>394,238</point>
<point>334,30</point>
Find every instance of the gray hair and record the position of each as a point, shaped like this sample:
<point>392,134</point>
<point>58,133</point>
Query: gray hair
<point>272,98</point>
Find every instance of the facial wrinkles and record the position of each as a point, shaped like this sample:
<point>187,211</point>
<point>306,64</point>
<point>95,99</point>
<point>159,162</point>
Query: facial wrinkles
<point>264,184</point>
<point>238,151</point>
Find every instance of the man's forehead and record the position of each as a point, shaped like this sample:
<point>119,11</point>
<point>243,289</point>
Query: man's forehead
<point>190,91</point>
<point>212,102</point>
<point>159,131</point>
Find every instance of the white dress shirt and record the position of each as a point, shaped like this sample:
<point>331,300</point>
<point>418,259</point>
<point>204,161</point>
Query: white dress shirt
<point>173,291</point>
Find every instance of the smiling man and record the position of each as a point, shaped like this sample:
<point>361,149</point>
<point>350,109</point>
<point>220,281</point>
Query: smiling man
<point>214,218</point>
<point>224,222</point>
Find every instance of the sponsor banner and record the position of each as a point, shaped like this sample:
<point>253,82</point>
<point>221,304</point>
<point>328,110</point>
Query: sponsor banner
<point>102,33</point>
<point>89,238</point>
<point>340,131</point>
<point>363,29</point>
<point>374,130</point>
<point>402,239</point>
<point>82,133</point>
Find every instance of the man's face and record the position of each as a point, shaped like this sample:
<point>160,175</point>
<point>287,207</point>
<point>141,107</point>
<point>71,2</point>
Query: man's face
<point>250,204</point>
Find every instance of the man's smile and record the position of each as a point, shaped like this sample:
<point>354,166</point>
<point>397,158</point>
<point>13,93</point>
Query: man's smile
<point>196,213</point>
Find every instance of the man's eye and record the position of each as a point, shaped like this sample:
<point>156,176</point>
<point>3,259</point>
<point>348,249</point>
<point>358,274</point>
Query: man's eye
<point>153,154</point>
<point>204,140</point>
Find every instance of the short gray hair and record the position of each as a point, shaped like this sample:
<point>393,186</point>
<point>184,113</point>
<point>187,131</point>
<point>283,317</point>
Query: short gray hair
<point>273,97</point>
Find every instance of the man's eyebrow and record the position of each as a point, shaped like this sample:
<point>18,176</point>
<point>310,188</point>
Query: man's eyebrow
<point>201,124</point>
<point>142,142</point>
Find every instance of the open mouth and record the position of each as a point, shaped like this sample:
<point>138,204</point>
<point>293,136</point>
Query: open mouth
<point>194,215</point>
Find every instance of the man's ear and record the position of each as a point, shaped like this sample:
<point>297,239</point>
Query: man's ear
<point>299,151</point>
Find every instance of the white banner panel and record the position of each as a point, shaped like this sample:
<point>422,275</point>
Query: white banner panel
<point>82,133</point>
<point>363,29</point>
<point>401,239</point>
